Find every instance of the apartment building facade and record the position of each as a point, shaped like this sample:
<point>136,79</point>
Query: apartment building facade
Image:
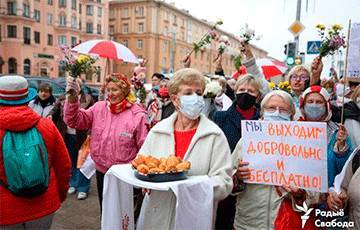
<point>32,31</point>
<point>164,34</point>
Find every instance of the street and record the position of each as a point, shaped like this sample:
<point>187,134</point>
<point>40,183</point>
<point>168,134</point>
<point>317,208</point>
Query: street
<point>79,214</point>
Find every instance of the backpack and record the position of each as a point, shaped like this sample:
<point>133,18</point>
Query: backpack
<point>25,160</point>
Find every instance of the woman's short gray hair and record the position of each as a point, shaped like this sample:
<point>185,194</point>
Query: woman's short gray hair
<point>284,95</point>
<point>296,69</point>
<point>248,78</point>
<point>186,76</point>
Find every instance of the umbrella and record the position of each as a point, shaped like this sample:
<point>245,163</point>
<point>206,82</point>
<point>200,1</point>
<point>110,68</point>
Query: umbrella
<point>271,67</point>
<point>106,49</point>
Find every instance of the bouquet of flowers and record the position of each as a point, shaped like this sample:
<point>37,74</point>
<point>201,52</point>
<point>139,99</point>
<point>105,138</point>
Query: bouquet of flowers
<point>237,62</point>
<point>212,89</point>
<point>284,85</point>
<point>206,39</point>
<point>139,87</point>
<point>77,65</point>
<point>247,34</point>
<point>332,41</point>
<point>223,44</point>
<point>138,80</point>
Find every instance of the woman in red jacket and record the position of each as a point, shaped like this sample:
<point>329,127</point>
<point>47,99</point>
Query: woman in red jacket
<point>15,116</point>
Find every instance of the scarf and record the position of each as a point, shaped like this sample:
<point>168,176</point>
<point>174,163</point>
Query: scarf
<point>46,102</point>
<point>122,105</point>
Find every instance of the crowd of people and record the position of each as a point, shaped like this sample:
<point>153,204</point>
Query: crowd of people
<point>175,118</point>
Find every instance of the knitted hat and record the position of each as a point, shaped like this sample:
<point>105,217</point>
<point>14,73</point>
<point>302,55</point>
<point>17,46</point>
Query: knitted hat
<point>322,92</point>
<point>14,90</point>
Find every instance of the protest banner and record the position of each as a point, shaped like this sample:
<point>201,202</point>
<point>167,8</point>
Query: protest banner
<point>286,153</point>
<point>353,55</point>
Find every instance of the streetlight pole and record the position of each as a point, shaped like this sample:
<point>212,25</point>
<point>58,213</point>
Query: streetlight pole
<point>298,14</point>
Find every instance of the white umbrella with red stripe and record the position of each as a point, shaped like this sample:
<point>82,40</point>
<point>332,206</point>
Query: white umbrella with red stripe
<point>271,67</point>
<point>106,49</point>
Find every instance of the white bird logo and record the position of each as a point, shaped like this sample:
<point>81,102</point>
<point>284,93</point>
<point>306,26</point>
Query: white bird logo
<point>306,216</point>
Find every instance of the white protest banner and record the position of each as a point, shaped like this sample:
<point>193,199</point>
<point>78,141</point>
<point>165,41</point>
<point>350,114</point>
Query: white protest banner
<point>354,52</point>
<point>286,153</point>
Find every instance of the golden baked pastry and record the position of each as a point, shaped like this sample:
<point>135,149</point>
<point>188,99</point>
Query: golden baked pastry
<point>149,164</point>
<point>143,169</point>
<point>183,166</point>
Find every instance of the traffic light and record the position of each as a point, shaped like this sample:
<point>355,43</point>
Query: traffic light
<point>291,52</point>
<point>285,49</point>
<point>291,49</point>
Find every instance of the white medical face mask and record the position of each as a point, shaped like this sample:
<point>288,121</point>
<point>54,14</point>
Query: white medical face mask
<point>191,105</point>
<point>276,116</point>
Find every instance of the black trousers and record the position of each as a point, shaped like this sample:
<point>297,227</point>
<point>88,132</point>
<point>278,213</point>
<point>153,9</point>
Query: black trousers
<point>225,213</point>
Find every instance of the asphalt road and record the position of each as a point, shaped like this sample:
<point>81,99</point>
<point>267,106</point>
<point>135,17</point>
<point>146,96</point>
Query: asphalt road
<point>79,214</point>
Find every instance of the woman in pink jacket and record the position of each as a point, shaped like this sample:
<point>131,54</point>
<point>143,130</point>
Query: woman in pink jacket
<point>118,124</point>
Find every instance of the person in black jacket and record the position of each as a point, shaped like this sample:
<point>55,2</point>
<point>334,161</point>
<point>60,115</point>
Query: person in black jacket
<point>245,107</point>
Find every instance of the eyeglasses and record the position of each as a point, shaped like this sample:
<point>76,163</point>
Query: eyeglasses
<point>272,109</point>
<point>299,77</point>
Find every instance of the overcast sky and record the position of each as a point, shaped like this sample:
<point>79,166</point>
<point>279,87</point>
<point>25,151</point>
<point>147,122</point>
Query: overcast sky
<point>272,18</point>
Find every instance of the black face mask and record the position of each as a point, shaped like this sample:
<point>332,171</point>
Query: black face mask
<point>245,100</point>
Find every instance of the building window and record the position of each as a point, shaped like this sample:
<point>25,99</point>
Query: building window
<point>62,40</point>
<point>89,27</point>
<point>112,13</point>
<point>49,19</point>
<point>50,40</point>
<point>166,31</point>
<point>98,28</point>
<point>11,31</point>
<point>50,2</point>
<point>1,65</point>
<point>73,4</point>
<point>141,11</point>
<point>27,35</point>
<point>26,10</point>
<point>140,44</point>
<point>164,61</point>
<point>12,65</point>
<point>73,22</point>
<point>11,8</point>
<point>98,1</point>
<point>80,6</point>
<point>125,28</point>
<point>174,19</point>
<point>111,30</point>
<point>80,25</point>
<point>89,10</point>
<point>126,43</point>
<point>62,3</point>
<point>165,46</point>
<point>37,37</point>
<point>125,12</point>
<point>27,65</point>
<point>141,27</point>
<point>73,41</point>
<point>37,15</point>
<point>44,72</point>
<point>62,20</point>
<point>99,11</point>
